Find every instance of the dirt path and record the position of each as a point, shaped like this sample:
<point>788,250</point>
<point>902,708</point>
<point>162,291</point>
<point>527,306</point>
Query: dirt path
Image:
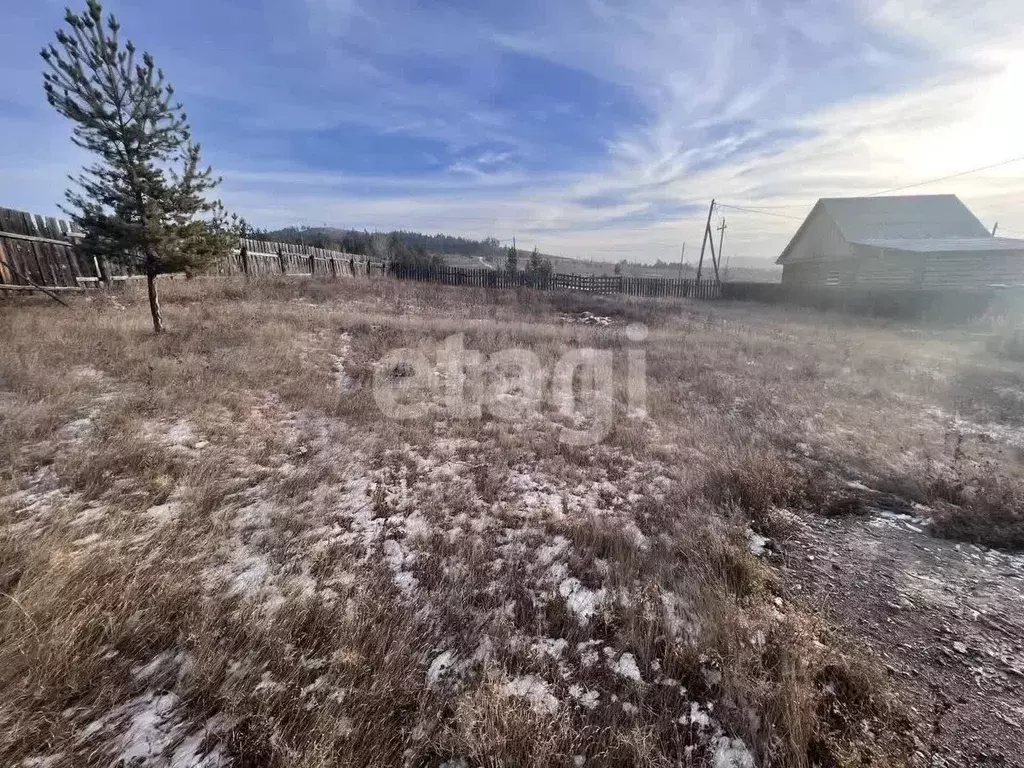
<point>947,619</point>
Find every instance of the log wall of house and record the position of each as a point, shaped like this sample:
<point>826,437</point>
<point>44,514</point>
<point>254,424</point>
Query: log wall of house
<point>972,269</point>
<point>877,269</point>
<point>874,269</point>
<point>819,272</point>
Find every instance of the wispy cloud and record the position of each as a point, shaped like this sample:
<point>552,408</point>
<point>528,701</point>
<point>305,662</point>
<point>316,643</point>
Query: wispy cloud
<point>598,127</point>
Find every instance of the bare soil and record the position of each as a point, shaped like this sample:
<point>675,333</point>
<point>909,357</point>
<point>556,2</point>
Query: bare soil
<point>947,620</point>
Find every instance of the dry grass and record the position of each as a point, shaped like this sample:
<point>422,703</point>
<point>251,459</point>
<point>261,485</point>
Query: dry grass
<point>210,550</point>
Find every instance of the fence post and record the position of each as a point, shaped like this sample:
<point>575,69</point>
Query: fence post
<point>103,269</point>
<point>243,256</point>
<point>280,260</point>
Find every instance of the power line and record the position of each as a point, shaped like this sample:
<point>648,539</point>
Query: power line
<point>756,210</point>
<point>772,207</point>
<point>951,176</point>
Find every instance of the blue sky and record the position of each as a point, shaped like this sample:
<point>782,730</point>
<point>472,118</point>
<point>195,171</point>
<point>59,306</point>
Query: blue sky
<point>596,128</point>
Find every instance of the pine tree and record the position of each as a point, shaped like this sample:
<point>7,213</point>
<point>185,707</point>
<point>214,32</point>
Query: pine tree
<point>534,265</point>
<point>143,202</point>
<point>512,259</point>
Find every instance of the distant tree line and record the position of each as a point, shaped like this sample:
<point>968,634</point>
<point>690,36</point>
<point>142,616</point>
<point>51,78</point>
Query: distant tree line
<point>409,249</point>
<point>363,242</point>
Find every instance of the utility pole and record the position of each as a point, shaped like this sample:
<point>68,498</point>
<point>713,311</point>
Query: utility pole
<point>721,237</point>
<point>703,243</point>
<point>714,259</point>
<point>682,253</point>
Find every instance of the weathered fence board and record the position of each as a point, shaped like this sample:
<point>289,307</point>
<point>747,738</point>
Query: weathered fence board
<point>39,250</point>
<point>269,258</point>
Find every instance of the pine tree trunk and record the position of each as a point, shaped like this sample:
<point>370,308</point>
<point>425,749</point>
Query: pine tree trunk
<point>154,303</point>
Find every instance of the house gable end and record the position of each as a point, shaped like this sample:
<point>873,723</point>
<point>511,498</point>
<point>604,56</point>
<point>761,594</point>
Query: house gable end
<point>818,237</point>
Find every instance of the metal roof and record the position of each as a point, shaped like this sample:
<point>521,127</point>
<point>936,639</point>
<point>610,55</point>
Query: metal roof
<point>944,244</point>
<point>896,217</point>
<point>903,216</point>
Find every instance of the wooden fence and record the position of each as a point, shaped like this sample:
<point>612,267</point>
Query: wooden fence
<point>40,250</point>
<point>45,251</point>
<point>258,257</point>
<point>623,284</point>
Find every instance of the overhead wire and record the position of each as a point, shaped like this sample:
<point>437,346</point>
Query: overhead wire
<point>951,176</point>
<point>757,210</point>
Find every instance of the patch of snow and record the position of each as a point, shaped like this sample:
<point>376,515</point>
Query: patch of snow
<point>547,646</point>
<point>164,513</point>
<point>439,667</point>
<point>731,753</point>
<point>397,556</point>
<point>252,573</point>
<point>406,582</point>
<point>78,428</point>
<point>697,717</point>
<point>680,617</point>
<point>581,601</point>
<point>148,729</point>
<point>268,683</point>
<point>88,541</point>
<point>89,515</point>
<point>342,380</point>
<point>536,691</point>
<point>155,665</point>
<point>757,543</point>
<point>626,667</point>
<point>589,318</point>
<point>88,373</point>
<point>887,519</point>
<point>586,699</point>
<point>49,761</point>
<point>180,433</point>
<point>549,552</point>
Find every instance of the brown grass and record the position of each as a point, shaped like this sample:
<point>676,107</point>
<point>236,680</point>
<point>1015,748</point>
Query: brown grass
<point>207,522</point>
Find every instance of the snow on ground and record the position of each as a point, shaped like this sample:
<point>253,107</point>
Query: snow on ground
<point>179,433</point>
<point>536,691</point>
<point>588,318</point>
<point>439,667</point>
<point>731,753</point>
<point>388,508</point>
<point>581,601</point>
<point>992,431</point>
<point>758,544</point>
<point>148,732</point>
<point>625,666</point>
<point>343,348</point>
